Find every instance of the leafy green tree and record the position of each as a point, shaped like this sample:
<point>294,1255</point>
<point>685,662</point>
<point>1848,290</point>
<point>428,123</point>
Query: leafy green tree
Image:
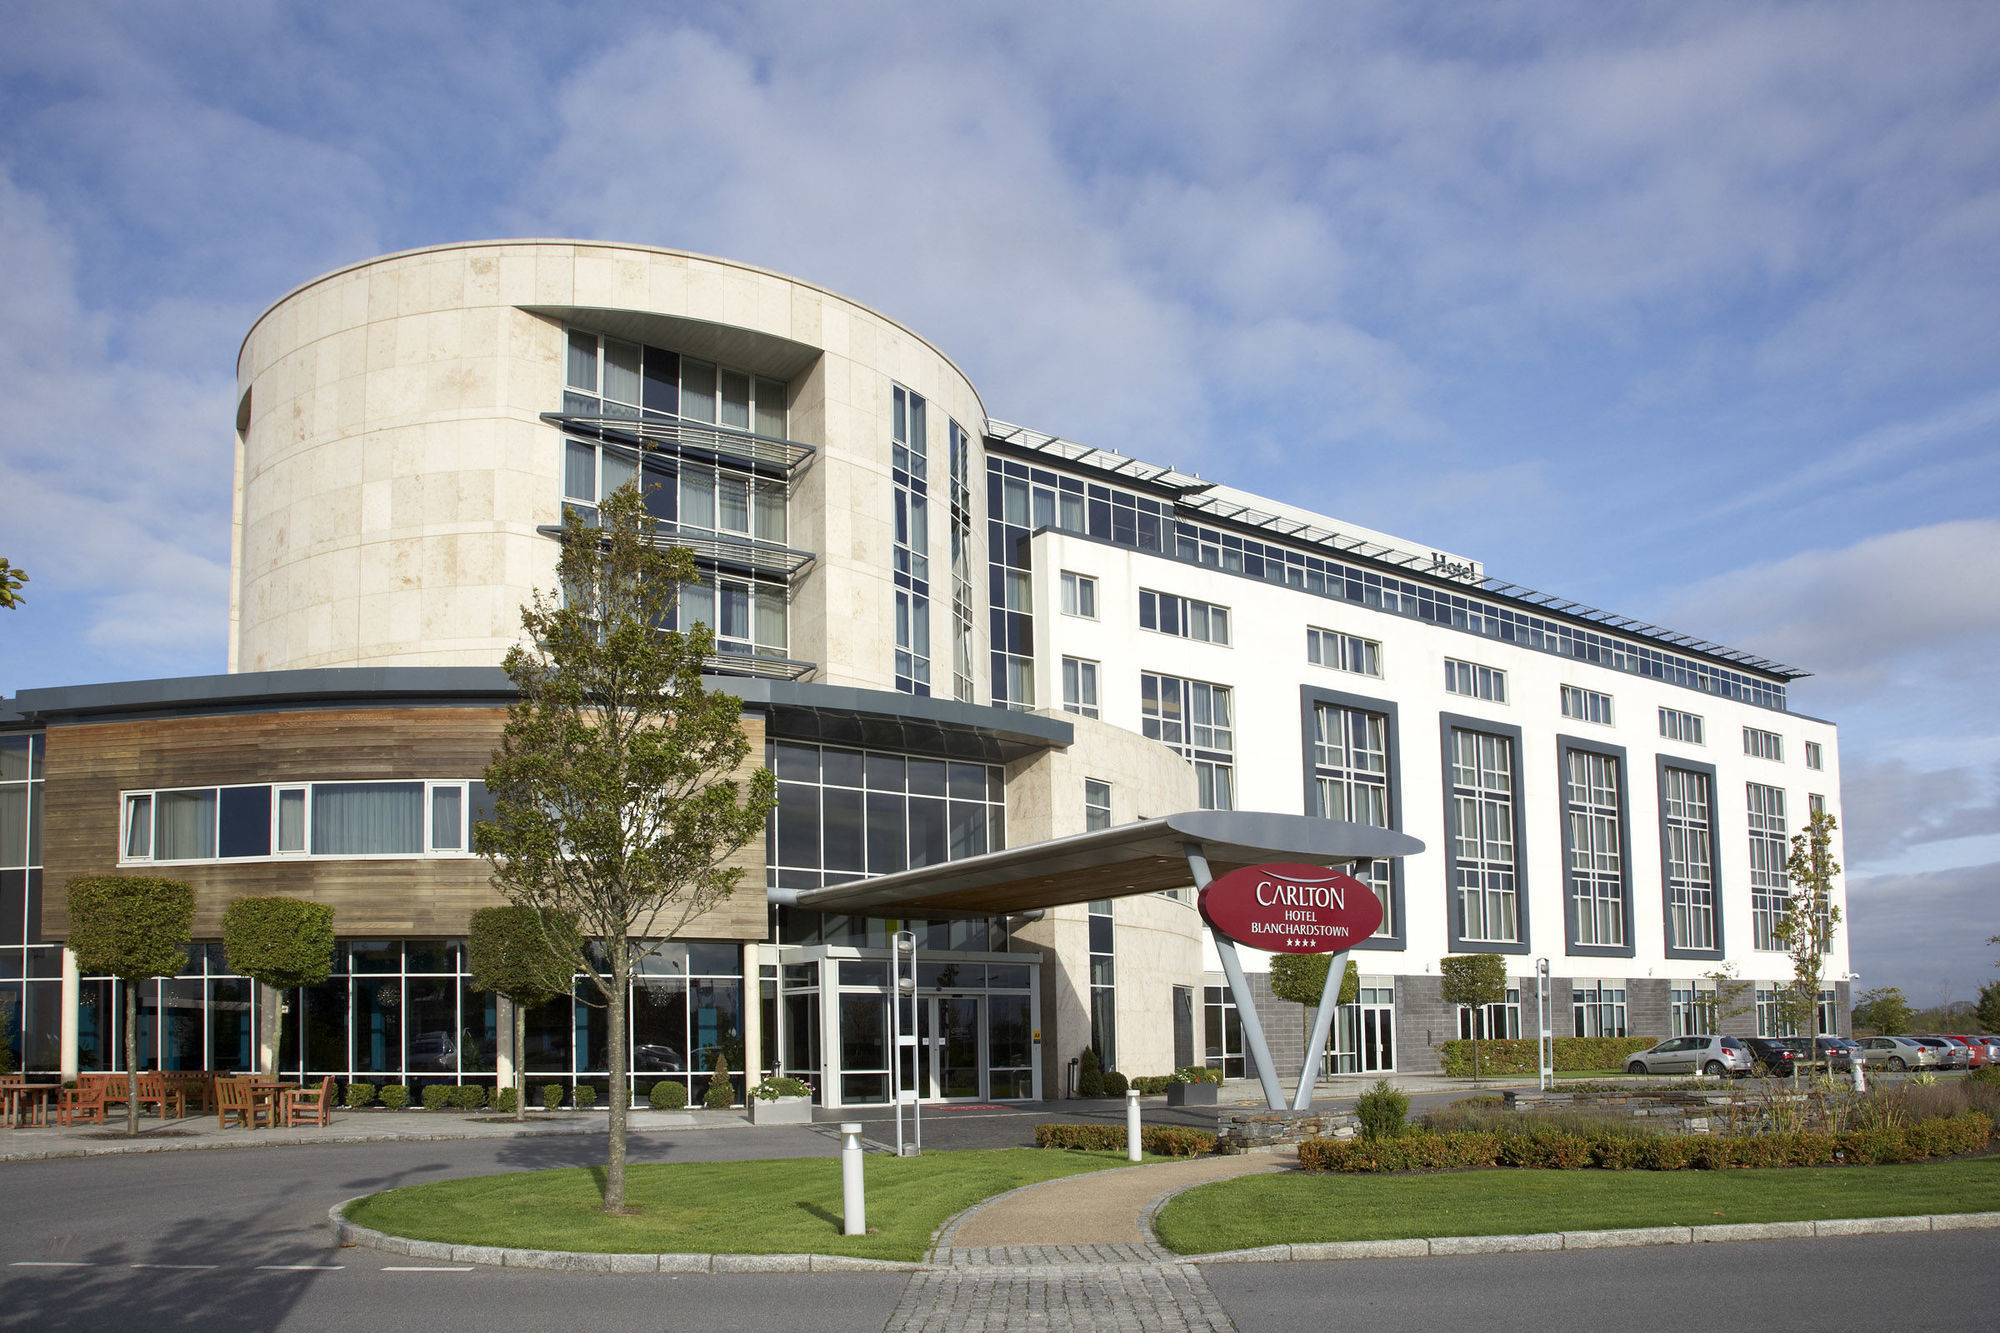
<point>516,952</point>
<point>281,944</point>
<point>621,786</point>
<point>1806,925</point>
<point>11,579</point>
<point>1728,996</point>
<point>135,928</point>
<point>1988,1012</point>
<point>1300,977</point>
<point>1885,1011</point>
<point>1474,980</point>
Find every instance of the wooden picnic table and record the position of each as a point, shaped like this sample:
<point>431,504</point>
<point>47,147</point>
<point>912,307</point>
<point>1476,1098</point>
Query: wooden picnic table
<point>265,1094</point>
<point>27,1103</point>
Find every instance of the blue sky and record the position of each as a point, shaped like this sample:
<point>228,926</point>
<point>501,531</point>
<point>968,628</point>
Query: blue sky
<point>1691,311</point>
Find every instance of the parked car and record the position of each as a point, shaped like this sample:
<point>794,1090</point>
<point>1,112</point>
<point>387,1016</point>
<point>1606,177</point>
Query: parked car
<point>653,1057</point>
<point>1693,1055</point>
<point>1950,1055</point>
<point>1838,1053</point>
<point>433,1051</point>
<point>1976,1050</point>
<point>1897,1053</point>
<point>1771,1056</point>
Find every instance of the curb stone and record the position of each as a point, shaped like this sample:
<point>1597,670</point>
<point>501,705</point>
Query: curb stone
<point>1752,1231</point>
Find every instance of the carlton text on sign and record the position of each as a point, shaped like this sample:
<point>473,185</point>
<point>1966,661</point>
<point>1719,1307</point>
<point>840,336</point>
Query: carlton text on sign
<point>1292,908</point>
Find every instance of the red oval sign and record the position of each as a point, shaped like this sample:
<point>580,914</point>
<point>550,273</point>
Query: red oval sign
<point>1292,908</point>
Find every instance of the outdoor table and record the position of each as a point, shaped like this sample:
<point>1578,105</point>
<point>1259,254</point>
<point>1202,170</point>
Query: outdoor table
<point>265,1094</point>
<point>28,1103</point>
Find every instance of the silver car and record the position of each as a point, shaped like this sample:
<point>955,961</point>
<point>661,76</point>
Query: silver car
<point>1713,1056</point>
<point>1897,1053</point>
<point>1950,1055</point>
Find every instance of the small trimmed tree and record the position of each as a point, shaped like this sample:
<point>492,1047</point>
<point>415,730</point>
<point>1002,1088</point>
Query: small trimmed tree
<point>1474,980</point>
<point>281,944</point>
<point>135,928</point>
<point>1300,977</point>
<point>1806,925</point>
<point>518,953</point>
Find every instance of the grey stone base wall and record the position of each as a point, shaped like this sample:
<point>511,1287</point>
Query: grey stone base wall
<point>1423,1020</point>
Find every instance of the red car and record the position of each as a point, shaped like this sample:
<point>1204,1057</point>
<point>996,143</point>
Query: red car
<point>1976,1051</point>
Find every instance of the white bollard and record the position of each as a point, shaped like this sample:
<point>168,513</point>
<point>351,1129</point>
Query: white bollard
<point>853,1202</point>
<point>1132,1153</point>
<point>1860,1083</point>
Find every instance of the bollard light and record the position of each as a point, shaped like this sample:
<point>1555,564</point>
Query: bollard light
<point>1132,1153</point>
<point>853,1203</point>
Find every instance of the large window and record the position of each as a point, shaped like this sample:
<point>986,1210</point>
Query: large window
<point>1183,616</point>
<point>1485,868</point>
<point>330,819</point>
<point>913,543</point>
<point>1501,1020</point>
<point>1222,1030</point>
<point>1343,652</point>
<point>610,378</point>
<point>1475,681</point>
<point>1769,888</point>
<point>1079,682</point>
<point>1195,719</point>
<point>1691,1008</point>
<point>1771,1020</point>
<point>845,814</point>
<point>1350,762</point>
<point>961,563</point>
<point>1600,1008</point>
<point>697,499</point>
<point>31,1003</point>
<point>1687,820</point>
<point>1103,986</point>
<point>1594,806</point>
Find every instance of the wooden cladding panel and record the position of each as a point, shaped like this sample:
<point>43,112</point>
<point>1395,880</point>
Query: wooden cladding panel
<point>89,765</point>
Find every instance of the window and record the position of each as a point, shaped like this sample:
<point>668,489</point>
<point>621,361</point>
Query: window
<point>1678,726</point>
<point>1771,1016</point>
<point>961,562</point>
<point>1194,718</point>
<point>1815,756</point>
<point>1079,686</point>
<point>1502,1020</point>
<point>909,442</point>
<point>1687,817</point>
<point>1596,853</point>
<point>606,377</point>
<point>748,617</point>
<point>1351,781</point>
<point>1343,652</point>
<point>333,819</point>
<point>1769,889</point>
<point>1816,803</point>
<point>1222,1032</point>
<point>1829,1012</point>
<point>1079,595</point>
<point>1183,617</point>
<point>1691,1008</point>
<point>1096,805</point>
<point>1763,744</point>
<point>1600,1008</point>
<point>1475,681</point>
<point>1586,705</point>
<point>1103,992</point>
<point>1485,871</point>
<point>847,813</point>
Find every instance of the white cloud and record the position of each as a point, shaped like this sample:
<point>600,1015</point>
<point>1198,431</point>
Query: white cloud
<point>1926,933</point>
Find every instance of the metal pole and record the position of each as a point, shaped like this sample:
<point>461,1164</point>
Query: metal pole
<point>1132,1153</point>
<point>1239,986</point>
<point>896,1039</point>
<point>904,947</point>
<point>1329,995</point>
<point>1544,1016</point>
<point>853,1200</point>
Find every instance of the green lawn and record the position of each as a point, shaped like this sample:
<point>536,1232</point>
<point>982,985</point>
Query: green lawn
<point>1305,1207</point>
<point>777,1207</point>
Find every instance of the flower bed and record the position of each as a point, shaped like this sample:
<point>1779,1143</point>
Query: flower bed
<point>1559,1149</point>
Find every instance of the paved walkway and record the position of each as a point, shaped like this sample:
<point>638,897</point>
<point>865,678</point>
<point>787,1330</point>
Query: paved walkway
<point>1098,1208</point>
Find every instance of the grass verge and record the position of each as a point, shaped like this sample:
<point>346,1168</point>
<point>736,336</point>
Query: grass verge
<point>774,1207</point>
<point>1297,1208</point>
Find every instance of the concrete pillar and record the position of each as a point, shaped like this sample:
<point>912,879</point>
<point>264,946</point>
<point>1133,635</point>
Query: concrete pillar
<point>270,1011</point>
<point>503,1045</point>
<point>72,1003</point>
<point>753,1021</point>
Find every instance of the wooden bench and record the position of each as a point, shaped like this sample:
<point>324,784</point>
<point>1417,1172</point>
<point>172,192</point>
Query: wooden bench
<point>233,1097</point>
<point>303,1105</point>
<point>85,1100</point>
<point>154,1090</point>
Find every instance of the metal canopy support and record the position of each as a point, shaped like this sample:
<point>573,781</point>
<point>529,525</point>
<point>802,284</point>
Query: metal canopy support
<point>1329,994</point>
<point>1239,986</point>
<point>903,1025</point>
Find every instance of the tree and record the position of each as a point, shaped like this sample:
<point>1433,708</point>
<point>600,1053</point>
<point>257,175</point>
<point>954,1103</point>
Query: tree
<point>1474,980</point>
<point>1300,977</point>
<point>517,952</point>
<point>135,928</point>
<point>620,787</point>
<point>1805,927</point>
<point>281,944</point>
<point>1989,1007</point>
<point>1729,996</point>
<point>11,579</point>
<point>1885,1011</point>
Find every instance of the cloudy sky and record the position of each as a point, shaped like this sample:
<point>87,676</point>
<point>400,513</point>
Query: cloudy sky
<point>1687,310</point>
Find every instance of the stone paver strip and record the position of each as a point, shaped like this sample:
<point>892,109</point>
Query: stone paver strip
<point>1125,1298</point>
<point>1095,1208</point>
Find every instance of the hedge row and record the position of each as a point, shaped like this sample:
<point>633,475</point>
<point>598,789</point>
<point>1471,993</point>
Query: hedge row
<point>1519,1055</point>
<point>1164,1140</point>
<point>1555,1149</point>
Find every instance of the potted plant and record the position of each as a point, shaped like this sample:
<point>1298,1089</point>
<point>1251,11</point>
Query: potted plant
<point>779,1100</point>
<point>1193,1085</point>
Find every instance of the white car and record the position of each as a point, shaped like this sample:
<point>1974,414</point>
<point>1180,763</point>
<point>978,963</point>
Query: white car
<point>1713,1056</point>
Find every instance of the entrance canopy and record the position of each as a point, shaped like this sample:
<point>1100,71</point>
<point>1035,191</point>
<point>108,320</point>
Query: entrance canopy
<point>1143,857</point>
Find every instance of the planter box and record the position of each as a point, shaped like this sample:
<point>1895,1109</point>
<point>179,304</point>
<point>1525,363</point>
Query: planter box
<point>783,1111</point>
<point>1191,1094</point>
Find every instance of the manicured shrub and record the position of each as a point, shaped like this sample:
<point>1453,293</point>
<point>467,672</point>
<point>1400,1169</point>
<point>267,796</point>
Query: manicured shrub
<point>395,1096</point>
<point>1165,1140</point>
<point>720,1095</point>
<point>1152,1085</point>
<point>1089,1075</point>
<point>552,1094</point>
<point>668,1095</point>
<point>1197,1074</point>
<point>586,1096</point>
<point>1381,1111</point>
<point>505,1100</point>
<point>1114,1083</point>
<point>1521,1055</point>
<point>360,1095</point>
<point>778,1085</point>
<point>437,1096</point>
<point>469,1096</point>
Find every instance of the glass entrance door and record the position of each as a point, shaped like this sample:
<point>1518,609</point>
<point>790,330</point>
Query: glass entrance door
<point>1365,1035</point>
<point>948,1039</point>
